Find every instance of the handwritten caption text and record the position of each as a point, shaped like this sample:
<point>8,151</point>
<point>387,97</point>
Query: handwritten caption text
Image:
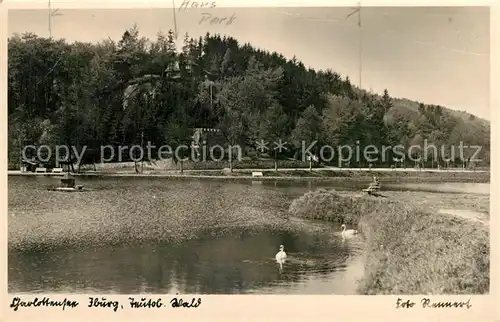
<point>103,302</point>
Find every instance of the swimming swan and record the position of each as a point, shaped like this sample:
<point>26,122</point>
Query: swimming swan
<point>348,232</point>
<point>281,255</point>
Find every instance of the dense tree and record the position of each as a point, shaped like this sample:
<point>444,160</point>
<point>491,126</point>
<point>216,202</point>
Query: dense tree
<point>137,90</point>
<point>274,129</point>
<point>308,133</point>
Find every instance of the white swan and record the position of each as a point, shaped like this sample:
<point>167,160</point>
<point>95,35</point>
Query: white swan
<point>281,255</point>
<point>348,232</point>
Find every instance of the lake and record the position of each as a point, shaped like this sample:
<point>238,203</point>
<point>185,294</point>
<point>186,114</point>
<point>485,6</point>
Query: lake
<point>144,235</point>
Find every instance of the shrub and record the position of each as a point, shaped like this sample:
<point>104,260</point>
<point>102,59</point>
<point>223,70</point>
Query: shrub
<point>327,205</point>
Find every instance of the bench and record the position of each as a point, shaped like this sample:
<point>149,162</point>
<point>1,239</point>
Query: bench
<point>57,170</point>
<point>40,170</point>
<point>257,174</point>
<point>374,187</point>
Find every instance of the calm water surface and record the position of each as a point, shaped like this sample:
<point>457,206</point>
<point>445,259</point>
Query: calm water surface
<point>74,242</point>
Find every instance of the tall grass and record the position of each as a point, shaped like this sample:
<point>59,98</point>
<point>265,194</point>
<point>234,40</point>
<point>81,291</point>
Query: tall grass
<point>408,250</point>
<point>325,205</point>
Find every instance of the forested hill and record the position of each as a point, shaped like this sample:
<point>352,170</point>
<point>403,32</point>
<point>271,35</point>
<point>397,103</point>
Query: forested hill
<point>109,93</point>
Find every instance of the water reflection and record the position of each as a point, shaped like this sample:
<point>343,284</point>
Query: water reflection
<point>235,263</point>
<point>119,238</point>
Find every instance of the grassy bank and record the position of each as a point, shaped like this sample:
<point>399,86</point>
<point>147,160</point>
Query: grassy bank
<point>409,249</point>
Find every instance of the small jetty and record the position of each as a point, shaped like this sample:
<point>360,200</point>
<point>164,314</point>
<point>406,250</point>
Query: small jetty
<point>68,184</point>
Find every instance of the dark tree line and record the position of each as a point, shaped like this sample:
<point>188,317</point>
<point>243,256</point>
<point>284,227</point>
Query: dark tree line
<point>136,90</point>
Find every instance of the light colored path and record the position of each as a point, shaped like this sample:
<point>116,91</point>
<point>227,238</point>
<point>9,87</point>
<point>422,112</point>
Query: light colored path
<point>467,214</point>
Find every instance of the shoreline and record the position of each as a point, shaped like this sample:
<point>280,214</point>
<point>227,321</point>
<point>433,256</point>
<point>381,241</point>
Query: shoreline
<point>245,175</point>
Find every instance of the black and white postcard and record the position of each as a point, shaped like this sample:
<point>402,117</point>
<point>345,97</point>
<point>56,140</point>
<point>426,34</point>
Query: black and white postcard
<point>158,156</point>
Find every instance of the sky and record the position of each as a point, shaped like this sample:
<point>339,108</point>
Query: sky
<point>435,55</point>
